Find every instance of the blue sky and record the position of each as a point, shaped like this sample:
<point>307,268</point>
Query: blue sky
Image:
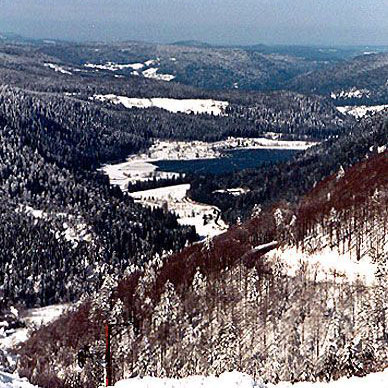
<point>325,22</point>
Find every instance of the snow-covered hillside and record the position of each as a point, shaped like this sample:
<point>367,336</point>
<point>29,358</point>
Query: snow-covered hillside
<point>187,106</point>
<point>350,93</point>
<point>240,380</point>
<point>138,69</point>
<point>361,111</point>
<point>8,380</point>
<point>57,68</point>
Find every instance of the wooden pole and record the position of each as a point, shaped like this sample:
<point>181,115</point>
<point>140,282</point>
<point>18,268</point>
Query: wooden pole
<point>108,360</point>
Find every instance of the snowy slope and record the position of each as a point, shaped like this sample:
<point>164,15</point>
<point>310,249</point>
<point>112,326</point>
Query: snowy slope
<point>240,380</point>
<point>187,106</point>
<point>361,111</point>
<point>8,380</point>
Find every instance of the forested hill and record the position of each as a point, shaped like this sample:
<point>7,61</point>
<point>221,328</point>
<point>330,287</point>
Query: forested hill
<point>297,293</point>
<point>63,226</point>
<point>361,80</point>
<point>288,181</point>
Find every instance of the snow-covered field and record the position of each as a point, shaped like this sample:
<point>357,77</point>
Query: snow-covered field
<point>187,106</point>
<point>240,380</point>
<point>153,73</point>
<point>350,93</point>
<point>205,218</point>
<point>361,111</point>
<point>150,72</point>
<point>57,68</point>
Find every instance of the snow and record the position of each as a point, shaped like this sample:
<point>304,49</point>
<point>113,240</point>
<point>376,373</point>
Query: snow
<point>362,110</point>
<point>235,192</point>
<point>226,380</point>
<point>153,74</point>
<point>241,380</point>
<point>270,245</point>
<point>187,106</point>
<point>115,66</point>
<point>57,68</point>
<point>34,318</point>
<point>10,338</point>
<point>8,380</point>
<point>350,93</point>
<point>134,170</point>
<point>326,264</point>
<point>151,62</point>
<point>205,218</point>
<point>176,192</point>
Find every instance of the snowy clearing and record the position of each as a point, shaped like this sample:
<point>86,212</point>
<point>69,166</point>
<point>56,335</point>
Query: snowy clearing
<point>350,93</point>
<point>33,318</point>
<point>235,192</point>
<point>153,74</point>
<point>205,218</point>
<point>361,111</point>
<point>187,106</point>
<point>241,380</point>
<point>57,68</point>
<point>115,66</point>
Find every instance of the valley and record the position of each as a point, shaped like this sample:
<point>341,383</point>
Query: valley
<point>221,209</point>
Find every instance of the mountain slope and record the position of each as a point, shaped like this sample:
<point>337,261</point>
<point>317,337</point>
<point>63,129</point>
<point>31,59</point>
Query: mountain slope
<point>362,80</point>
<point>234,303</point>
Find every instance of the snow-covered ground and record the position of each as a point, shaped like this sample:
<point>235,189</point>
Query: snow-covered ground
<point>240,380</point>
<point>326,258</point>
<point>8,380</point>
<point>187,106</point>
<point>205,218</point>
<point>235,191</point>
<point>147,72</point>
<point>153,73</point>
<point>325,264</point>
<point>114,66</point>
<point>57,68</point>
<point>350,93</point>
<point>10,338</point>
<point>33,318</point>
<point>362,110</point>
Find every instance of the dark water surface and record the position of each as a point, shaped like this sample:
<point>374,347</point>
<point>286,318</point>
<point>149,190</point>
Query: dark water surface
<point>231,161</point>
